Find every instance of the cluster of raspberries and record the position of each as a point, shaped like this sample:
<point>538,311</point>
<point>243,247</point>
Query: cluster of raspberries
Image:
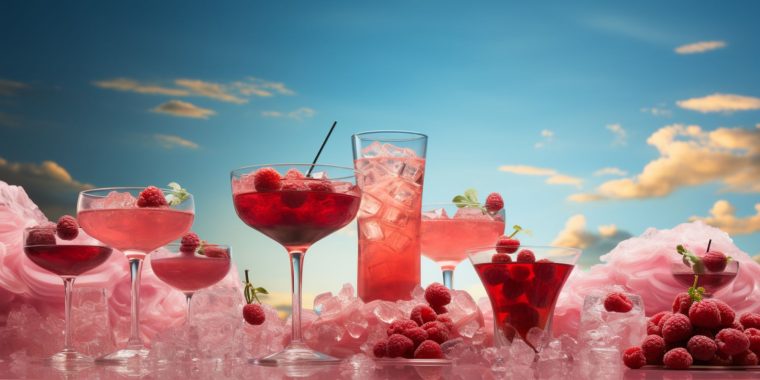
<point>704,332</point>
<point>420,336</point>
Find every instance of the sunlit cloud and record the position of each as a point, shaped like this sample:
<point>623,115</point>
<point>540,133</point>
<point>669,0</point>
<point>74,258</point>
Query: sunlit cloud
<point>124,84</point>
<point>721,103</point>
<point>183,109</point>
<point>171,142</point>
<point>209,90</point>
<point>547,136</point>
<point>700,47</point>
<point>659,111</point>
<point>723,216</point>
<point>272,114</point>
<point>261,87</point>
<point>553,176</point>
<point>298,114</point>
<point>593,243</point>
<point>611,171</point>
<point>10,88</point>
<point>690,156</point>
<point>621,136</point>
<point>48,184</point>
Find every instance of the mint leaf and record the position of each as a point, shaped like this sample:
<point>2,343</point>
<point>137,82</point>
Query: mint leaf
<point>178,194</point>
<point>471,195</point>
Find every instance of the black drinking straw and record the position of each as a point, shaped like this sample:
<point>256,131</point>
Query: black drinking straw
<point>320,149</point>
<point>708,245</point>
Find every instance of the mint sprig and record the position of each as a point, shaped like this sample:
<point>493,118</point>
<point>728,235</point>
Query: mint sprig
<point>691,260</point>
<point>469,199</point>
<point>696,293</point>
<point>250,292</point>
<point>178,194</point>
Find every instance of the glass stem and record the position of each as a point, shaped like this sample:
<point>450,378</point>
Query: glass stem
<point>68,285</point>
<point>188,297</point>
<point>135,270</point>
<point>296,269</point>
<point>448,278</point>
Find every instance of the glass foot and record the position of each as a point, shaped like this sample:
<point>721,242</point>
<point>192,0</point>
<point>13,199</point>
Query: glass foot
<point>69,360</point>
<point>297,354</point>
<point>124,355</point>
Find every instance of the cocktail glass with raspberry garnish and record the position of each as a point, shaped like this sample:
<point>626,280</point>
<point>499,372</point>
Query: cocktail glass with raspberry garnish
<point>449,231</point>
<point>136,221</point>
<point>523,288</point>
<point>296,205</point>
<point>711,270</point>
<point>68,259</point>
<point>392,164</point>
<point>190,270</point>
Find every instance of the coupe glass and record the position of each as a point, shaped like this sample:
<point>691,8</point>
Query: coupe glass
<point>448,232</point>
<point>112,216</point>
<point>68,259</point>
<point>523,294</point>
<point>296,210</point>
<point>711,281</point>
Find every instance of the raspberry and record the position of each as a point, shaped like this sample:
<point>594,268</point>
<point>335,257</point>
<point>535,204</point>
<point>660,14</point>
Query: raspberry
<point>496,274</point>
<point>715,261</point>
<point>732,341</point>
<point>737,325</point>
<point>267,179</point>
<point>677,358</point>
<point>519,272</point>
<point>745,358</point>
<point>522,317</point>
<point>254,314</point>
<point>321,186</point>
<point>676,328</point>
<point>440,309</point>
<point>653,329</point>
<point>634,358</point>
<point>506,244</point>
<point>704,314</point>
<point>189,242</point>
<point>701,347</point>
<point>753,335</point>
<point>67,227</point>
<point>428,350</point>
<point>379,348</point>
<point>214,251</point>
<point>750,320</point>
<point>617,302</point>
<point>446,322</point>
<point>682,303</point>
<point>292,195</point>
<point>437,333</point>
<point>657,317</point>
<point>727,314</point>
<point>417,335</point>
<point>501,258</point>
<point>151,196</point>
<point>400,325</point>
<point>494,202</point>
<point>653,347</point>
<point>294,173</point>
<point>710,333</point>
<point>544,269</point>
<point>422,314</point>
<point>721,359</point>
<point>437,295</point>
<point>664,319</point>
<point>41,237</point>
<point>526,256</point>
<point>399,346</point>
<point>512,288</point>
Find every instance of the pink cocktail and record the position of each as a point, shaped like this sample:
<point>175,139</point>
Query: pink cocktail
<point>446,238</point>
<point>295,205</point>
<point>67,259</point>
<point>392,167</point>
<point>114,216</point>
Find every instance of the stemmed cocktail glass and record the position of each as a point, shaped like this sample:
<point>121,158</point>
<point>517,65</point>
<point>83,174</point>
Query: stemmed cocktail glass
<point>449,231</point>
<point>295,205</point>
<point>113,216</point>
<point>68,259</point>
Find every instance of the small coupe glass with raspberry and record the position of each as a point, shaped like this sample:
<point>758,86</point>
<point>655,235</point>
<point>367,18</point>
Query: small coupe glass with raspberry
<point>296,205</point>
<point>712,270</point>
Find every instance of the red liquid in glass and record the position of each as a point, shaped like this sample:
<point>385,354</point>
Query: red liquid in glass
<point>712,282</point>
<point>296,219</point>
<point>523,295</point>
<point>68,260</point>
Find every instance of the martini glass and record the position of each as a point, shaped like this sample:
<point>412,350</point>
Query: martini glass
<point>448,232</point>
<point>68,259</point>
<point>296,210</point>
<point>112,216</point>
<point>523,294</point>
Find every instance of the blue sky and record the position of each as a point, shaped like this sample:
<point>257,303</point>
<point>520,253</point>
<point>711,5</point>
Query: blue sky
<point>533,101</point>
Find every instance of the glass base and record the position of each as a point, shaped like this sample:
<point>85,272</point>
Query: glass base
<point>124,355</point>
<point>297,354</point>
<point>69,360</point>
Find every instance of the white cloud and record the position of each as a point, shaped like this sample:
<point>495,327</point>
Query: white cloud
<point>700,47</point>
<point>553,177</point>
<point>620,133</point>
<point>48,184</point>
<point>657,111</point>
<point>690,156</point>
<point>723,216</point>
<point>261,87</point>
<point>611,171</point>
<point>183,109</point>
<point>721,103</point>
<point>10,88</point>
<point>594,244</point>
<point>298,114</point>
<point>171,142</point>
<point>547,133</point>
<point>125,84</point>
<point>209,90</point>
<point>548,136</point>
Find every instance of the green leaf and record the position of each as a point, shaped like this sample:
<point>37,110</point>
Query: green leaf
<point>460,201</point>
<point>262,291</point>
<point>471,195</point>
<point>178,194</point>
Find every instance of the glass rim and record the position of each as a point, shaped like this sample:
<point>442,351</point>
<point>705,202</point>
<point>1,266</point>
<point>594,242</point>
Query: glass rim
<point>477,250</point>
<point>418,135</point>
<point>211,244</point>
<point>233,172</point>
<point>90,192</point>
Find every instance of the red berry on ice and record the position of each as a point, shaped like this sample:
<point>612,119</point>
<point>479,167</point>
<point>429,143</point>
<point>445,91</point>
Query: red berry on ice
<point>676,328</point>
<point>653,347</point>
<point>732,341</point>
<point>501,258</point>
<point>267,179</point>
<point>254,314</point>
<point>211,250</point>
<point>67,227</point>
<point>428,350</point>
<point>704,314</point>
<point>399,346</point>
<point>40,237</point>
<point>750,320</point>
<point>422,314</point>
<point>416,334</point>
<point>294,173</point>
<point>506,244</point>
<point>682,303</point>
<point>437,295</point>
<point>634,358</point>
<point>715,261</point>
<point>321,186</point>
<point>190,241</point>
<point>677,358</point>
<point>400,325</point>
<point>446,321</point>
<point>617,302</point>
<point>380,348</point>
<point>701,347</point>
<point>494,202</point>
<point>437,332</point>
<point>151,196</point>
<point>526,256</point>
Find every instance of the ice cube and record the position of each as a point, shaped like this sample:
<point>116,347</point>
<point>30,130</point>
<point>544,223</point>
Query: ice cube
<point>386,311</point>
<point>396,216</point>
<point>405,193</point>
<point>471,213</point>
<point>438,213</point>
<point>396,151</point>
<point>371,230</point>
<point>116,199</point>
<point>375,149</point>
<point>370,205</point>
<point>398,241</point>
<point>412,172</point>
<point>630,327</point>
